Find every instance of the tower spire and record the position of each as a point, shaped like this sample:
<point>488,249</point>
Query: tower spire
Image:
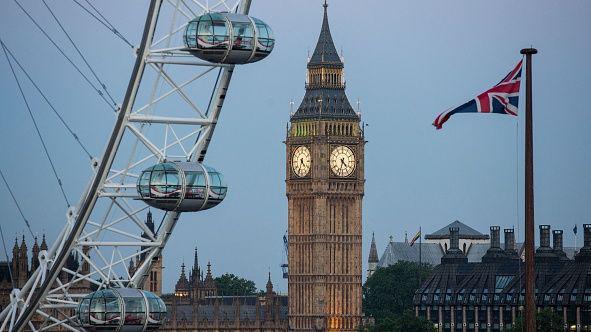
<point>325,52</point>
<point>325,84</point>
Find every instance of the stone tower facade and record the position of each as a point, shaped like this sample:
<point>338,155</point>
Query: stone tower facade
<point>325,186</point>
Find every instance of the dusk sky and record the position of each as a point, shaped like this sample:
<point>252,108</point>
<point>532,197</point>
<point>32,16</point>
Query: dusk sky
<point>405,61</point>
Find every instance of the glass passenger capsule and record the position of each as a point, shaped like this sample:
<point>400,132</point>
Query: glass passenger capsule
<point>229,38</point>
<point>181,186</point>
<point>121,309</point>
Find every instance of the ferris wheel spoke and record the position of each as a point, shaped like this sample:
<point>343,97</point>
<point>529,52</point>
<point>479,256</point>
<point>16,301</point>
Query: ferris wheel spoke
<point>32,327</point>
<point>184,13</point>
<point>56,322</point>
<point>117,231</point>
<point>188,8</point>
<point>170,34</point>
<point>133,216</point>
<point>108,266</point>
<point>178,90</point>
<point>175,89</point>
<point>147,143</point>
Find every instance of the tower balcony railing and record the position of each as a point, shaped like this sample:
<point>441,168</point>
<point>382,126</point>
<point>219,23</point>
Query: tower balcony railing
<point>326,85</point>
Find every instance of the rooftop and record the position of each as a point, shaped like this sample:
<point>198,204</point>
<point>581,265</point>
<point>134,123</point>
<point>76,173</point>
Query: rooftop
<point>466,232</point>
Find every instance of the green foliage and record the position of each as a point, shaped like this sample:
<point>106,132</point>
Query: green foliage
<point>231,285</point>
<point>405,323</point>
<point>546,321</point>
<point>389,292</point>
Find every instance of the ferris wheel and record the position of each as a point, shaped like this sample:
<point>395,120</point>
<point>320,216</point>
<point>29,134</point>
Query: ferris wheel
<point>153,158</point>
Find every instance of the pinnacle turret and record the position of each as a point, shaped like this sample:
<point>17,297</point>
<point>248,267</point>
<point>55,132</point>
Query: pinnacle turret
<point>373,251</point>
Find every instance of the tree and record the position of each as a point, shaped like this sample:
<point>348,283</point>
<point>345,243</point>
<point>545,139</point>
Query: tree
<point>546,321</point>
<point>231,285</point>
<point>405,323</point>
<point>389,292</point>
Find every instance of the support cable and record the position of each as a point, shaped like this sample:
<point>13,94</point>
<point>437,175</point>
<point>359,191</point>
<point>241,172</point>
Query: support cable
<point>7,260</point>
<point>100,93</point>
<point>103,20</point>
<point>59,181</point>
<point>60,117</point>
<point>16,203</point>
<point>100,82</point>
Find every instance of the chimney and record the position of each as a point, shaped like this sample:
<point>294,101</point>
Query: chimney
<point>494,254</point>
<point>545,253</point>
<point>544,236</point>
<point>454,255</point>
<point>454,238</point>
<point>584,254</point>
<point>558,244</point>
<point>509,240</point>
<point>495,237</point>
<point>557,239</point>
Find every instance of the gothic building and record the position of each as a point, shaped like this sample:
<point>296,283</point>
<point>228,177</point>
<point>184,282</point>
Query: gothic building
<point>489,295</point>
<point>22,267</point>
<point>196,306</point>
<point>324,187</point>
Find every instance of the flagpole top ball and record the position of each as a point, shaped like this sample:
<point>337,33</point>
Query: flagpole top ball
<point>529,51</point>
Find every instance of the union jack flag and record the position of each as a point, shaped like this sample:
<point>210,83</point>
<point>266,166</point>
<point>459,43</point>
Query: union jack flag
<point>501,98</point>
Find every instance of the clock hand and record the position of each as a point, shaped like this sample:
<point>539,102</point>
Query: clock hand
<point>302,161</point>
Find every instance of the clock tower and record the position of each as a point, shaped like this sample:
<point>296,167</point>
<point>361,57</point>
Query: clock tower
<point>325,186</point>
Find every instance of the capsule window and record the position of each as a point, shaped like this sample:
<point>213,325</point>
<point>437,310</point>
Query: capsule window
<point>243,36</point>
<point>145,184</point>
<point>134,311</point>
<point>97,309</point>
<point>84,310</point>
<point>265,42</point>
<point>191,34</point>
<point>211,33</point>
<point>157,309</point>
<point>113,310</point>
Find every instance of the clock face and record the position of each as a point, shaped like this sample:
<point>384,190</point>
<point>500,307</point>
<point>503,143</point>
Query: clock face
<point>342,161</point>
<point>301,161</point>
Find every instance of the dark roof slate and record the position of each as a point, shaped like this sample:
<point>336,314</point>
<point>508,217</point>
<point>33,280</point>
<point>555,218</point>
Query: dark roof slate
<point>325,51</point>
<point>325,103</point>
<point>466,232</point>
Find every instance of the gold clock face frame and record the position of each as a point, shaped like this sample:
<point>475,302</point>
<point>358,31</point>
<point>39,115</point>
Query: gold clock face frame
<point>342,161</point>
<point>301,161</point>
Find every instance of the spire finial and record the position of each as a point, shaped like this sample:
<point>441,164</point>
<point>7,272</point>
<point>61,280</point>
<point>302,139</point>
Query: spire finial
<point>325,4</point>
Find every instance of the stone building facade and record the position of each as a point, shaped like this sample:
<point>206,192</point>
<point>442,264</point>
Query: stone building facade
<point>324,187</point>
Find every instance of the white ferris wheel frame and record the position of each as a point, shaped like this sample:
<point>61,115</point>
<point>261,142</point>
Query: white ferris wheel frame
<point>44,295</point>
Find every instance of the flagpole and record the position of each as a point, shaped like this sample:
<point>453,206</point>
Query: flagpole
<point>530,276</point>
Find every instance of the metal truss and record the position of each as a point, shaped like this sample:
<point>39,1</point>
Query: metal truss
<point>170,110</point>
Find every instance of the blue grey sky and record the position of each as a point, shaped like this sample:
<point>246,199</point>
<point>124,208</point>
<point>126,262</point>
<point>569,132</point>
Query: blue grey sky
<point>406,61</point>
